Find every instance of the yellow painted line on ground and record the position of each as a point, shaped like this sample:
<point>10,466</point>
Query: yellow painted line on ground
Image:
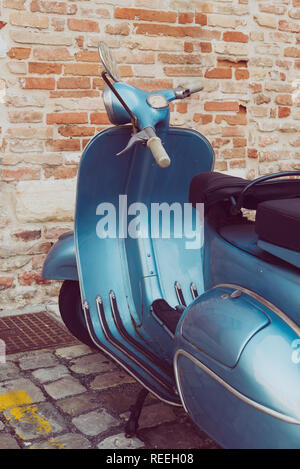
<point>29,413</point>
<point>20,407</point>
<point>54,443</point>
<point>13,399</point>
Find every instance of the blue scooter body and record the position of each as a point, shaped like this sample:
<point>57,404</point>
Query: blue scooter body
<point>233,362</point>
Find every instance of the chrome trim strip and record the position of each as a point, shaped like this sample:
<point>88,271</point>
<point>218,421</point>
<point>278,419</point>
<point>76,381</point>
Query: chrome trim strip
<point>179,293</point>
<point>123,350</point>
<point>265,302</point>
<point>85,304</point>
<point>194,291</point>
<point>242,397</point>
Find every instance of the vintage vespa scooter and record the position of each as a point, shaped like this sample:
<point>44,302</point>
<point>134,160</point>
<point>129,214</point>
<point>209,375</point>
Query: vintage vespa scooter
<point>213,328</point>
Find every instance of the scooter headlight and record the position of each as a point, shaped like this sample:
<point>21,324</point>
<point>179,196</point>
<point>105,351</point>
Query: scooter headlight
<point>116,112</point>
<point>108,103</point>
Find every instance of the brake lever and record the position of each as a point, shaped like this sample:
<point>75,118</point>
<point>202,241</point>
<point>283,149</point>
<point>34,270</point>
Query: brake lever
<point>140,137</point>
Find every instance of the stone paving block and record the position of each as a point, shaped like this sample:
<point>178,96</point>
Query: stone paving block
<point>64,387</point>
<point>95,422</point>
<point>8,442</point>
<point>110,380</point>
<point>8,371</point>
<point>119,399</point>
<point>35,420</point>
<point>15,386</point>
<point>120,442</point>
<point>73,352</point>
<point>67,441</point>
<point>34,361</point>
<point>154,415</point>
<point>90,364</point>
<point>43,375</point>
<point>77,405</point>
<point>176,436</point>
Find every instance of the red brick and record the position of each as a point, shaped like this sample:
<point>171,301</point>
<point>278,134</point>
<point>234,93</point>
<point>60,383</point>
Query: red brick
<point>284,100</point>
<point>20,174</point>
<point>58,24</point>
<point>284,112</point>
<point>183,71</point>
<point>75,94</point>
<point>179,59</point>
<point>188,47</point>
<point>229,153</point>
<point>28,235</point>
<point>182,108</point>
<point>239,142</point>
<point>184,18</point>
<point>83,25</point>
<point>167,30</point>
<point>201,19</point>
<point>84,69</point>
<point>232,132</point>
<point>230,64</point>
<point>203,118</point>
<point>52,54</point>
<point>29,20</point>
<point>76,131</point>
<point>238,119</point>
<point>44,68</point>
<point>58,8</point>
<point>235,36</point>
<point>237,164</point>
<point>221,166</point>
<point>205,47</point>
<point>241,74</point>
<point>292,52</point>
<point>99,118</point>
<point>74,83</point>
<point>256,87</point>
<point>31,278</point>
<point>62,172</point>
<point>19,53</point>
<point>145,15</point>
<point>87,56</point>
<point>32,83</point>
<point>289,26</point>
<point>6,282</point>
<point>152,85</point>
<point>221,106</point>
<point>252,153</point>
<point>63,145</point>
<point>67,118</point>
<point>219,73</point>
<point>118,29</point>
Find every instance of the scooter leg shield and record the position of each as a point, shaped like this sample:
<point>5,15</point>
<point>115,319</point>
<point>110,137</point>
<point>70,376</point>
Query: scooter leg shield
<point>121,274</point>
<point>237,371</point>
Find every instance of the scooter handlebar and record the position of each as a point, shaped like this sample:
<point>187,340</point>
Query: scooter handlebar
<point>159,153</point>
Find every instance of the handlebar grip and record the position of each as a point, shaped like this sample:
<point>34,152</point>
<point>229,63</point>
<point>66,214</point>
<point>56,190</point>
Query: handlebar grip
<point>159,153</point>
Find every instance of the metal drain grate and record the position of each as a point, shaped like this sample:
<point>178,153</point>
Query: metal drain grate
<point>33,331</point>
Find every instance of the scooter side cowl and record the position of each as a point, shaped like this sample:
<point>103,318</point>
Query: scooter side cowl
<point>60,263</point>
<point>239,377</point>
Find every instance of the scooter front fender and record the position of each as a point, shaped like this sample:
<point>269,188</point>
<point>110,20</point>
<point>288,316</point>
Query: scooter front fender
<point>60,263</point>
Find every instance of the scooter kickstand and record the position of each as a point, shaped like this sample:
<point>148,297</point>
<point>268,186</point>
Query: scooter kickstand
<point>132,424</point>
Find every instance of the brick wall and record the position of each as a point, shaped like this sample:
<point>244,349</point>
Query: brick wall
<point>246,52</point>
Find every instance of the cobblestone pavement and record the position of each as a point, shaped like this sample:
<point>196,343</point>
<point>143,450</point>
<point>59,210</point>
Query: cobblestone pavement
<point>74,398</point>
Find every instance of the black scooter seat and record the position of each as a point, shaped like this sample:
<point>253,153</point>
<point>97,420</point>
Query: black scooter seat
<point>213,187</point>
<point>278,222</point>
